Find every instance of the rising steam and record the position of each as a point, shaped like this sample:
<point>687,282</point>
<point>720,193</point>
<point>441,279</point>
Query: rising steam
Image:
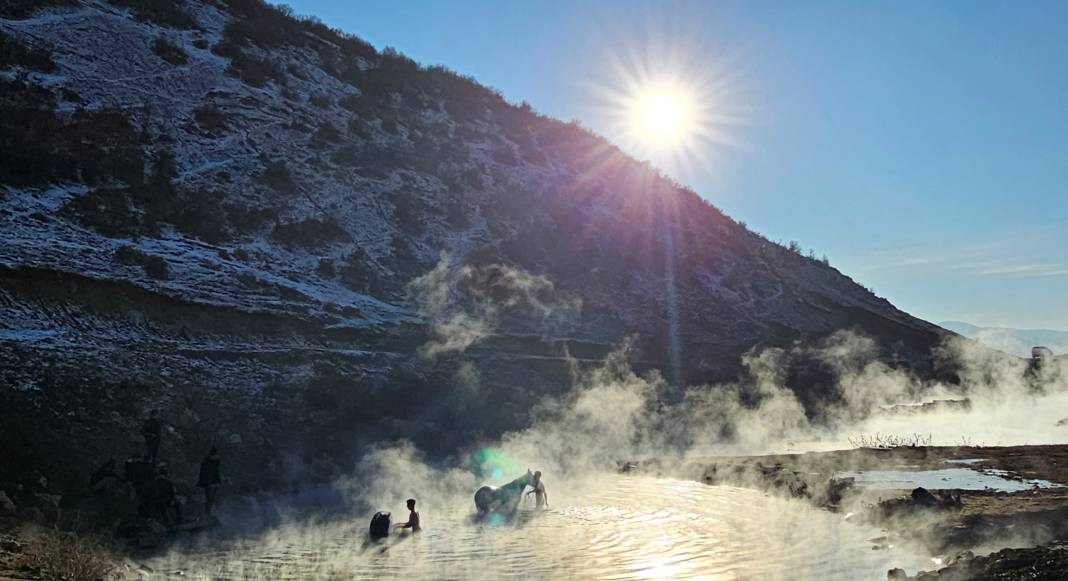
<point>464,304</point>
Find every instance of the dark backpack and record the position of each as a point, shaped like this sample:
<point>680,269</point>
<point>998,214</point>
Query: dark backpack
<point>380,524</point>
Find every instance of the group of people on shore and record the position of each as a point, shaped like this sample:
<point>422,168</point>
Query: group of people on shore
<point>148,480</point>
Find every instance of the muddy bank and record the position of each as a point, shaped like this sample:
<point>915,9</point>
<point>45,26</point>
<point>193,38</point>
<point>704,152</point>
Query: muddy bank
<point>1045,563</point>
<point>973,500</point>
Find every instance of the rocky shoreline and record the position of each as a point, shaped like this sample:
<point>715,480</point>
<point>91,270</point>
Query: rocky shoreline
<point>1020,529</point>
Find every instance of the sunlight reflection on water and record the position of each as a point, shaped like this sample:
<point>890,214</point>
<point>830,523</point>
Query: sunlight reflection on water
<point>631,528</point>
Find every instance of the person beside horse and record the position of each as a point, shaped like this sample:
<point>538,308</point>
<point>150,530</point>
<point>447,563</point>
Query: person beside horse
<point>504,499</point>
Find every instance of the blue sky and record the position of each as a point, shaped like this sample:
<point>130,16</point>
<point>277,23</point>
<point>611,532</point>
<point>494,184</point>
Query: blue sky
<point>922,146</point>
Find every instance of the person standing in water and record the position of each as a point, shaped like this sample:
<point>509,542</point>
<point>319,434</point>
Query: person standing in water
<point>541,497</point>
<point>413,518</point>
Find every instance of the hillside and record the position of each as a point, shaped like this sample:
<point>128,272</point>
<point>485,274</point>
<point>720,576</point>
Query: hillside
<point>295,244</point>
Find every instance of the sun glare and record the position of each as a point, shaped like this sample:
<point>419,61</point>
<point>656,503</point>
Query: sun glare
<point>670,97</point>
<point>662,115</point>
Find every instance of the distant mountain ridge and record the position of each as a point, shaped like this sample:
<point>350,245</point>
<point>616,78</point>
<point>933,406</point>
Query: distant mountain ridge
<point>295,244</point>
<point>1013,341</point>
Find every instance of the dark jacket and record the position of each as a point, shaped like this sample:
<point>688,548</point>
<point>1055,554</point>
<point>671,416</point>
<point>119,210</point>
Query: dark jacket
<point>209,472</point>
<point>152,428</point>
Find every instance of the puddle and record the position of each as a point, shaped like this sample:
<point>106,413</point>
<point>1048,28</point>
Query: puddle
<point>944,479</point>
<point>968,461</point>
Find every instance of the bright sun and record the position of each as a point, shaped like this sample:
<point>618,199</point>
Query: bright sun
<point>663,100</point>
<point>662,115</point>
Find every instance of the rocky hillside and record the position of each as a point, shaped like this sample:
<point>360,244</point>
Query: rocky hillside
<point>294,244</point>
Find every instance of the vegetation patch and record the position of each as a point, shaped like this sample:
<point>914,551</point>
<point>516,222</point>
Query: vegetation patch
<point>162,12</point>
<point>210,119</point>
<point>168,51</point>
<point>326,133</point>
<point>310,233</point>
<point>13,53</point>
<point>55,554</point>
<point>278,177</point>
<point>19,9</point>
<point>42,147</point>
<point>154,266</point>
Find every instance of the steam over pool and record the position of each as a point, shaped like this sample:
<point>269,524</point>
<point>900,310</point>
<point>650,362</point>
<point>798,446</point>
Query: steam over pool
<point>625,528</point>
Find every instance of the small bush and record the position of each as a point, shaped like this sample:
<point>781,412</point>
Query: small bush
<point>108,211</point>
<point>505,155</point>
<point>15,53</point>
<point>887,441</point>
<point>278,177</point>
<point>310,233</point>
<point>162,12</point>
<point>357,128</point>
<point>18,9</point>
<point>350,103</point>
<point>129,256</point>
<point>201,43</point>
<point>60,555</point>
<point>326,268</point>
<point>168,51</point>
<point>70,96</point>
<point>326,133</point>
<point>156,267</point>
<point>210,119</point>
<point>249,69</point>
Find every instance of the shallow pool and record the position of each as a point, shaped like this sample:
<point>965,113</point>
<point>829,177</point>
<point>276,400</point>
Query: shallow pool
<point>626,528</point>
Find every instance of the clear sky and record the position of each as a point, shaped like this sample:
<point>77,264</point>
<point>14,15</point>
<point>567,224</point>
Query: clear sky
<point>922,146</point>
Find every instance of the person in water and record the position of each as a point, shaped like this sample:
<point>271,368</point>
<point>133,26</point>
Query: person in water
<point>541,497</point>
<point>413,518</point>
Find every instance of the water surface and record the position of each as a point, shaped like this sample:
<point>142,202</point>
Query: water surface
<point>626,528</point>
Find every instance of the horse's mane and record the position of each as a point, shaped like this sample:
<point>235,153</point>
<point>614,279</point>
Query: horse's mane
<point>518,483</point>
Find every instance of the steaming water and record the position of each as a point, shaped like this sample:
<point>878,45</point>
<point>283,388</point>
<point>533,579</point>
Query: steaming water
<point>629,528</point>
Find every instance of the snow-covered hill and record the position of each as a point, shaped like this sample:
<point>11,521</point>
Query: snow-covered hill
<point>295,244</point>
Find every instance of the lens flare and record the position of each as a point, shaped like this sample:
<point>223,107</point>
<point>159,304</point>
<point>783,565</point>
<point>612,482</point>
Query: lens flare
<point>670,98</point>
<point>663,115</point>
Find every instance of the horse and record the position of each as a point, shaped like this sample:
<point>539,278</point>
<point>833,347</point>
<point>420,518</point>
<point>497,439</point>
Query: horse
<point>504,499</point>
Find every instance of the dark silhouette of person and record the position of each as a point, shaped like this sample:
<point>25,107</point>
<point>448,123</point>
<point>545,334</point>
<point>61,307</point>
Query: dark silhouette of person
<point>152,430</point>
<point>413,518</point>
<point>139,472</point>
<point>163,499</point>
<point>106,479</point>
<point>106,470</point>
<point>209,478</point>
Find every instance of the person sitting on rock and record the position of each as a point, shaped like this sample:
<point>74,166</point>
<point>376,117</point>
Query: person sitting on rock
<point>209,478</point>
<point>413,518</point>
<point>541,497</point>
